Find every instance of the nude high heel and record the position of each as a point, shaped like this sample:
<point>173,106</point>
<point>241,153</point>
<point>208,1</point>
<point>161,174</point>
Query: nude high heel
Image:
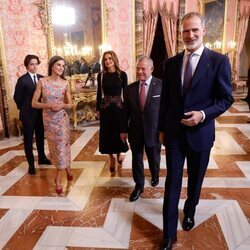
<point>120,159</point>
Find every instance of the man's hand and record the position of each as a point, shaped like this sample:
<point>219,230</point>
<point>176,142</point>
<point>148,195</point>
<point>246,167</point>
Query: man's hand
<point>124,137</point>
<point>195,117</point>
<point>161,137</point>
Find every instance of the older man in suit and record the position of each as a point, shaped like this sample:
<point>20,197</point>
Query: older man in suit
<point>31,118</point>
<point>196,89</point>
<point>139,120</point>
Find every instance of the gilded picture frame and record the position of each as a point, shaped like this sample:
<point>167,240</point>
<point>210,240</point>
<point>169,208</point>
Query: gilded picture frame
<point>46,17</point>
<point>214,12</point>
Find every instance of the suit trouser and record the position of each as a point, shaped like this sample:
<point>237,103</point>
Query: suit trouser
<point>196,168</point>
<point>154,157</point>
<point>29,127</point>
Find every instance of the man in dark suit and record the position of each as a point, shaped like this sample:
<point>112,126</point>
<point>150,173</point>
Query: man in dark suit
<point>95,66</point>
<point>139,120</point>
<point>83,68</point>
<point>31,118</point>
<point>196,89</point>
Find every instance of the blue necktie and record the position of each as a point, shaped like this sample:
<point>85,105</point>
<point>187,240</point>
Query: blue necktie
<point>187,75</point>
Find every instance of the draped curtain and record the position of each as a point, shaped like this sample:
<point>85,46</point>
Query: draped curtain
<point>169,24</point>
<point>150,19</point>
<point>168,10</point>
<point>242,30</point>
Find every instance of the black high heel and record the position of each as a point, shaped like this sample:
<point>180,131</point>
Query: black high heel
<point>112,165</point>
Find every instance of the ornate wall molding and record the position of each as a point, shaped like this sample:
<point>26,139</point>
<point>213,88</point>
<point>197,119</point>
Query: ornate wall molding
<point>139,28</point>
<point>4,107</point>
<point>43,14</point>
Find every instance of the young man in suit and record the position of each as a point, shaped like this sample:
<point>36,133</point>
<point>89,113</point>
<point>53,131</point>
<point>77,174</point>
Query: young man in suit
<point>139,120</point>
<point>31,118</point>
<point>196,89</point>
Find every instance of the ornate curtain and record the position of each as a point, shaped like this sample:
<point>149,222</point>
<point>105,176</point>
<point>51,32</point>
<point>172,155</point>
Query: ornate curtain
<point>168,10</point>
<point>242,30</point>
<point>150,19</point>
<point>169,24</point>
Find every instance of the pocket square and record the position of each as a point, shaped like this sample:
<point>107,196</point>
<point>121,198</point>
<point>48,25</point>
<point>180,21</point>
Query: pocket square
<point>154,96</point>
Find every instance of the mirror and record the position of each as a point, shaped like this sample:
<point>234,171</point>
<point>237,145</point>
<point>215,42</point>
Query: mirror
<point>76,35</point>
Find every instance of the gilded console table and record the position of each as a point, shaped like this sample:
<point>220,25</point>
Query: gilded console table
<point>88,98</point>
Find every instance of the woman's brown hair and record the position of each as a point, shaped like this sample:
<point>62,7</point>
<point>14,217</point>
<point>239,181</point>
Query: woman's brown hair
<point>115,60</point>
<point>52,61</point>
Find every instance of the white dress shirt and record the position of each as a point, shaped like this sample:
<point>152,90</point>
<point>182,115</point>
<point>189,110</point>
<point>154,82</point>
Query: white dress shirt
<point>32,77</point>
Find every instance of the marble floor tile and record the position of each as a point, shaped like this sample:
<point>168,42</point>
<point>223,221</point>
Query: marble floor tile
<point>94,211</point>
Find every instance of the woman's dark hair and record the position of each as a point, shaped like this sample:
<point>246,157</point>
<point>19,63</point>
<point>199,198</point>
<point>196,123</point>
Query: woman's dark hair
<point>28,58</point>
<point>52,61</point>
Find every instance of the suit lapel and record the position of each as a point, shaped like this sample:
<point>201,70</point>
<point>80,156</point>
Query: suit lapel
<point>201,68</point>
<point>179,67</point>
<point>150,91</point>
<point>137,94</point>
<point>30,80</point>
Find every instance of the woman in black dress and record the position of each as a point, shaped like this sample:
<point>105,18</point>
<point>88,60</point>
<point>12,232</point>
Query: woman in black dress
<point>112,87</point>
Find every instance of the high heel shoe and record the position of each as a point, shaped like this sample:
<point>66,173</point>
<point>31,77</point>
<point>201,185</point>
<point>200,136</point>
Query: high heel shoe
<point>58,190</point>
<point>69,177</point>
<point>112,165</point>
<point>120,159</point>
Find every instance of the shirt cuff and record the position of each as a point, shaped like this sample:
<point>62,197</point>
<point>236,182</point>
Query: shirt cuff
<point>203,116</point>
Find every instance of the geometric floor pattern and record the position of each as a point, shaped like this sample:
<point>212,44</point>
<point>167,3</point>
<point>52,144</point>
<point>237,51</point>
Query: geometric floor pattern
<point>94,211</point>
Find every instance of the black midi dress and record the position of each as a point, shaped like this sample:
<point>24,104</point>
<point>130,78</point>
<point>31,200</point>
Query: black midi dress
<point>112,88</point>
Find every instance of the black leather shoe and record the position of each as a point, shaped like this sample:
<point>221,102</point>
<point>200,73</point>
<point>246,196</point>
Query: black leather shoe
<point>44,161</point>
<point>167,243</point>
<point>154,181</point>
<point>188,223</point>
<point>135,194</point>
<point>32,170</point>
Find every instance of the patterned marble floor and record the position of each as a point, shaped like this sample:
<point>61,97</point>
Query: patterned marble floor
<point>94,211</point>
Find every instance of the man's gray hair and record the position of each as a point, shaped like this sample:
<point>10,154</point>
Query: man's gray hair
<point>194,14</point>
<point>142,58</point>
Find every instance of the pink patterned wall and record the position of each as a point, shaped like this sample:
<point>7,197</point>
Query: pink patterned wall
<point>119,33</point>
<point>22,34</point>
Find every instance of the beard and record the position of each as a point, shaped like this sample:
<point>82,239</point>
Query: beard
<point>193,45</point>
